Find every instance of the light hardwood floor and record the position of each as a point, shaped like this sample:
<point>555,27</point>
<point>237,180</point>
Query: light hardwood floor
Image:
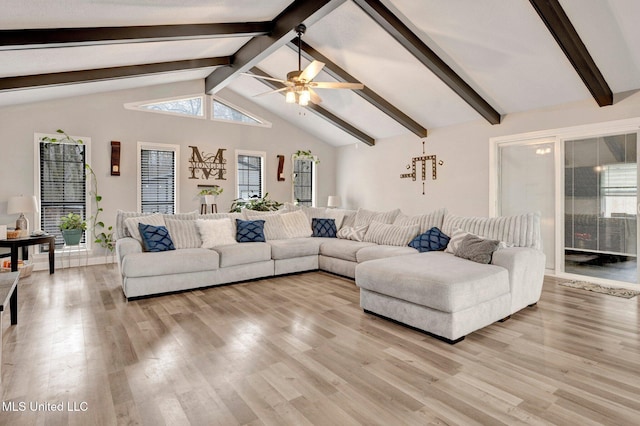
<point>299,350</point>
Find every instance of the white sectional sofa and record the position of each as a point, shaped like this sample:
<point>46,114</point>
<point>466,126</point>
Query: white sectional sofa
<point>435,291</point>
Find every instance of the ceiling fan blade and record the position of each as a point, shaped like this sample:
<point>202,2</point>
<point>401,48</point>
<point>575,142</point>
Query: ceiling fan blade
<point>314,97</point>
<point>336,85</point>
<point>264,77</point>
<point>311,70</point>
<point>270,92</point>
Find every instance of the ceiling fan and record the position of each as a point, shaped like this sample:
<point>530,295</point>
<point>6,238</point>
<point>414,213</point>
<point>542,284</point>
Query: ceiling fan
<point>299,84</point>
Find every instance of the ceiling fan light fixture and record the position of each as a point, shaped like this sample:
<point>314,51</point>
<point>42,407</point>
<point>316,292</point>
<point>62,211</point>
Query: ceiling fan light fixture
<point>290,97</point>
<point>305,97</point>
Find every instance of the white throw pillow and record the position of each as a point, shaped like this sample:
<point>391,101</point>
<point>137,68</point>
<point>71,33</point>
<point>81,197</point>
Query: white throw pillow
<point>216,232</point>
<point>355,233</point>
<point>131,223</point>
<point>296,224</point>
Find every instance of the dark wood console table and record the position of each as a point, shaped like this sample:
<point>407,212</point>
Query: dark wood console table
<point>15,243</point>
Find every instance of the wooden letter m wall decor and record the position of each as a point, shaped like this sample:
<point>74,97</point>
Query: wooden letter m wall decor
<point>207,165</point>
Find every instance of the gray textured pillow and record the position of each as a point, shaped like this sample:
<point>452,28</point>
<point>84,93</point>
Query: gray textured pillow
<point>477,249</point>
<point>184,233</point>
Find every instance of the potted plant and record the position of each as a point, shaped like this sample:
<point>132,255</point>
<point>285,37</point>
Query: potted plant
<point>255,203</point>
<point>72,227</point>
<point>208,195</point>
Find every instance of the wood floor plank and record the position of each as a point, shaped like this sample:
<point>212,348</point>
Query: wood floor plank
<point>298,349</point>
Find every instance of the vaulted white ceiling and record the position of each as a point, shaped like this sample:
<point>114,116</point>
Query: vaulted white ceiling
<point>501,49</point>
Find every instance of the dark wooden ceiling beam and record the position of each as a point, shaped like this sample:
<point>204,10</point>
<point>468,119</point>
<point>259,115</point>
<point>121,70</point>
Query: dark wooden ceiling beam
<point>65,37</point>
<point>559,25</point>
<point>258,48</point>
<point>85,76</point>
<point>367,94</point>
<point>318,110</point>
<point>410,41</point>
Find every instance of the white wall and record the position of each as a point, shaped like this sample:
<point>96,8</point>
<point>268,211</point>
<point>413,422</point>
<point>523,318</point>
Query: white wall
<point>103,118</point>
<point>370,176</point>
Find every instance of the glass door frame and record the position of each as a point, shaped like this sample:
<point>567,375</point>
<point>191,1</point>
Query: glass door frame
<point>558,137</point>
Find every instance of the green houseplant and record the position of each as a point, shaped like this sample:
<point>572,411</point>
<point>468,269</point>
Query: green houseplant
<point>258,204</point>
<point>208,195</point>
<point>72,226</point>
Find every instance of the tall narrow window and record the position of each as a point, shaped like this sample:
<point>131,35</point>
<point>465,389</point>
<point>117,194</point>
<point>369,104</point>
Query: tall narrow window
<point>303,178</point>
<point>157,177</point>
<point>250,174</point>
<point>62,184</point>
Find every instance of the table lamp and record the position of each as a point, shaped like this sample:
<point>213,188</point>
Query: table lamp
<point>333,201</point>
<point>22,204</point>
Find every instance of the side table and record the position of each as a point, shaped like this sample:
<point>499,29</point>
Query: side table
<point>16,243</point>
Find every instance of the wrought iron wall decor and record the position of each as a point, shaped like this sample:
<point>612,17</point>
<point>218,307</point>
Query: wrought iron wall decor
<point>207,166</point>
<point>423,160</point>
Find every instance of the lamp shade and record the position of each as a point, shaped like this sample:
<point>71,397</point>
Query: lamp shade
<point>334,201</point>
<point>22,204</point>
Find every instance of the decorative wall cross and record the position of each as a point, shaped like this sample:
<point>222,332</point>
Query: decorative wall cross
<point>423,159</point>
<point>207,165</point>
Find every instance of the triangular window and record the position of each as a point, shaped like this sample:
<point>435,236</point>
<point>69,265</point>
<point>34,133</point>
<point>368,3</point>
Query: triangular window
<point>224,111</point>
<point>187,106</point>
<point>193,106</point>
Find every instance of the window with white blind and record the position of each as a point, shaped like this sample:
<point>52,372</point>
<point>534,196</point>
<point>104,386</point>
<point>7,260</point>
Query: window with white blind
<point>61,184</point>
<point>250,175</point>
<point>303,181</point>
<point>157,178</point>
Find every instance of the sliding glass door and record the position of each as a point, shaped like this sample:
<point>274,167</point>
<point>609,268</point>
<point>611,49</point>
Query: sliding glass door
<point>600,207</point>
<point>526,184</point>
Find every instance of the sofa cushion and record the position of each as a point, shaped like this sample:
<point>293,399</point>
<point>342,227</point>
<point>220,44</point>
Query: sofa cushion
<point>391,235</point>
<point>155,238</point>
<point>241,254</point>
<point>521,230</point>
<point>273,224</point>
<point>324,227</point>
<point>216,232</point>
<point>424,221</point>
<point>250,231</point>
<point>131,223</point>
<point>365,217</point>
<point>184,233</point>
<point>169,262</point>
<point>432,240</point>
<point>434,279</point>
<point>381,252</point>
<point>295,224</point>
<point>294,247</point>
<point>477,249</point>
<point>342,249</point>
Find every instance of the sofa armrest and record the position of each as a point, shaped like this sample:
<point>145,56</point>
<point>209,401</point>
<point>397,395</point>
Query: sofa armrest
<point>526,268</point>
<point>126,246</point>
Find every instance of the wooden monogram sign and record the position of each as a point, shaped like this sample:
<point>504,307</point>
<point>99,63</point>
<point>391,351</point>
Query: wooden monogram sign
<point>207,166</point>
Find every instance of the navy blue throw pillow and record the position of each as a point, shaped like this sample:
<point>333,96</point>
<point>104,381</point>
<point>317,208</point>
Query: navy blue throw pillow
<point>324,227</point>
<point>250,231</point>
<point>432,240</point>
<point>155,238</point>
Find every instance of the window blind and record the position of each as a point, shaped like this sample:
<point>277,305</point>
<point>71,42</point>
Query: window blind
<point>158,181</point>
<point>303,181</point>
<point>249,176</point>
<point>62,185</point>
